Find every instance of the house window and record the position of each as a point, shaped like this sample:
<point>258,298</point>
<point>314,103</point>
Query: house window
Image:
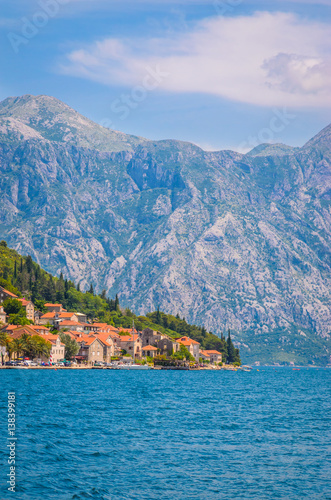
<point>93,353</point>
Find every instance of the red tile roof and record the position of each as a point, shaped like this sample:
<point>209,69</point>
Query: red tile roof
<point>8,292</point>
<point>213,352</point>
<point>68,322</point>
<point>187,341</point>
<point>61,315</point>
<point>39,328</point>
<point>103,337</point>
<point>25,302</point>
<point>149,348</point>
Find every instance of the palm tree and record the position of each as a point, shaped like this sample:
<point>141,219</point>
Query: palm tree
<point>39,346</point>
<point>17,346</point>
<point>10,347</point>
<point>26,340</point>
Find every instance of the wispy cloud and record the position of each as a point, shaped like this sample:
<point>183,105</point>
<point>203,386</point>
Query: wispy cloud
<point>264,59</point>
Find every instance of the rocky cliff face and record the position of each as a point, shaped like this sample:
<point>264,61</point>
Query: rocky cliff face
<point>224,239</point>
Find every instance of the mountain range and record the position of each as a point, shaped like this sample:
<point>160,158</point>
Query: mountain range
<point>227,240</point>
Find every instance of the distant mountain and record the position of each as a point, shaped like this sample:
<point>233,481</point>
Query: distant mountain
<point>55,121</point>
<point>226,240</point>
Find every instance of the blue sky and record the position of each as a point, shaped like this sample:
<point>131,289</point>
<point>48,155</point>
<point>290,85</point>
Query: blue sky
<point>220,73</point>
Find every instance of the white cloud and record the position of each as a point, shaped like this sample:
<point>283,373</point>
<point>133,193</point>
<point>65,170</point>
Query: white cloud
<point>265,59</point>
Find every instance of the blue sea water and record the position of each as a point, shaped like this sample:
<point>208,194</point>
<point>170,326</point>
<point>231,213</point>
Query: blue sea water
<point>113,435</point>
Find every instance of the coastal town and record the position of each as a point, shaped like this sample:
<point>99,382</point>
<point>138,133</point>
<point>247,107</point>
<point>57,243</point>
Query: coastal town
<point>95,344</point>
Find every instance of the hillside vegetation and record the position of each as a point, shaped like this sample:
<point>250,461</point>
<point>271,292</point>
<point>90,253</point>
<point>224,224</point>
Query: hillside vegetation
<point>21,275</point>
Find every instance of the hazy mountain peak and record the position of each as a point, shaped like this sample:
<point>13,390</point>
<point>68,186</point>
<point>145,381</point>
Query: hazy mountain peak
<point>56,121</point>
<point>321,141</point>
<point>267,149</point>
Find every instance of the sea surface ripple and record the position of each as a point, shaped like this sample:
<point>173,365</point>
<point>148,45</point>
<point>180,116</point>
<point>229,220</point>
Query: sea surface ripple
<point>169,435</point>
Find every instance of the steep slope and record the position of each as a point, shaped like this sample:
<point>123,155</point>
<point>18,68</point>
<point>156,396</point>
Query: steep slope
<point>56,121</point>
<point>224,239</point>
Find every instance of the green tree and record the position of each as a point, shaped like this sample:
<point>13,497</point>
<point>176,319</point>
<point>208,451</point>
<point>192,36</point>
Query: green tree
<point>231,350</point>
<point>18,319</point>
<point>13,306</point>
<point>182,354</point>
<point>158,317</point>
<point>71,346</point>
<point>39,347</point>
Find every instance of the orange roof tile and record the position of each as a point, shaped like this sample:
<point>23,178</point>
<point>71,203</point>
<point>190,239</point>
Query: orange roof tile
<point>39,327</point>
<point>149,348</point>
<point>213,352</point>
<point>187,341</point>
<point>68,322</point>
<point>24,302</point>
<point>48,315</point>
<point>8,292</point>
<point>9,328</point>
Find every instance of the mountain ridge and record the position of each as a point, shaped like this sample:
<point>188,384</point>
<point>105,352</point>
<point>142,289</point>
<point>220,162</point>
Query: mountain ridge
<point>222,238</point>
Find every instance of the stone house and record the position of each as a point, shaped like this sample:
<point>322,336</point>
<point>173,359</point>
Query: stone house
<point>68,324</point>
<point>82,318</point>
<point>151,337</point>
<point>3,316</point>
<point>167,346</point>
<point>214,356</point>
<point>58,348</point>
<point>6,294</point>
<point>204,356</point>
<point>54,318</point>
<point>149,350</point>
<point>91,350</point>
<point>29,308</point>
<point>40,329</point>
<point>192,345</point>
<point>126,342</point>
<point>110,347</point>
<point>116,338</point>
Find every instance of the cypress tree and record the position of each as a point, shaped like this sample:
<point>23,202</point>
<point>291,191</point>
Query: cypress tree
<point>21,268</point>
<point>15,270</point>
<point>91,290</point>
<point>29,264</point>
<point>158,317</point>
<point>231,350</point>
<point>117,303</point>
